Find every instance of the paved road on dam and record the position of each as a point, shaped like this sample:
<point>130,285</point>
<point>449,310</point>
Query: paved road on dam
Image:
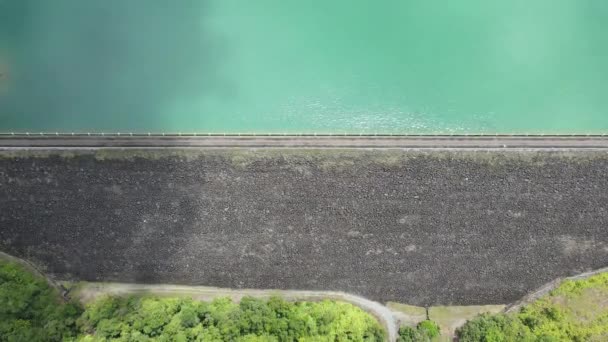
<point>395,142</point>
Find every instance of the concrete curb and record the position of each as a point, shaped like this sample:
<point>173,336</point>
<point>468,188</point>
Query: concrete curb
<point>302,141</point>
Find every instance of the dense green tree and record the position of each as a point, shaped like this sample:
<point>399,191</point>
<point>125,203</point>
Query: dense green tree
<point>182,319</point>
<point>30,310</point>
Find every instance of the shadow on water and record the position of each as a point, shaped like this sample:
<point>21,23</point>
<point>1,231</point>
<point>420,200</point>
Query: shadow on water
<point>119,63</point>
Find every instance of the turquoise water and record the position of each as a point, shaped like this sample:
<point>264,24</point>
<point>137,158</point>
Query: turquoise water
<point>316,66</point>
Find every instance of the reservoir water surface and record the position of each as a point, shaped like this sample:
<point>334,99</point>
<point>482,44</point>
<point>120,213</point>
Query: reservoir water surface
<point>293,66</point>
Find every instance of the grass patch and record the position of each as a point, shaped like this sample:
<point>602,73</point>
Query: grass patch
<point>412,310</point>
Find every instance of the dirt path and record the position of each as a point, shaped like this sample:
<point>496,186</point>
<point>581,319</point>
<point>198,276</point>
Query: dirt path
<point>90,291</point>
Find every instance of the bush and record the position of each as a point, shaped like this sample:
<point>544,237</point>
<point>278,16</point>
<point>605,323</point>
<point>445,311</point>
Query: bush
<point>494,328</point>
<point>429,328</point>
<point>409,334</point>
<point>425,331</point>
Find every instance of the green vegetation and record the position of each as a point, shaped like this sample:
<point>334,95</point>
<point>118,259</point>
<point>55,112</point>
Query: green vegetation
<point>575,311</point>
<point>425,331</point>
<point>180,319</point>
<point>494,328</point>
<point>32,311</point>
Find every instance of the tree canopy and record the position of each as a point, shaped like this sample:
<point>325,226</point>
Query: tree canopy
<point>30,310</point>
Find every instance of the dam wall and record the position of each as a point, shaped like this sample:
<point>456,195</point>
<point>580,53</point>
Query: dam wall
<point>414,226</point>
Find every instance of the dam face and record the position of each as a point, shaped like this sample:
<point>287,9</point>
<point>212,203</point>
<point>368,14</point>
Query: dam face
<point>439,227</point>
